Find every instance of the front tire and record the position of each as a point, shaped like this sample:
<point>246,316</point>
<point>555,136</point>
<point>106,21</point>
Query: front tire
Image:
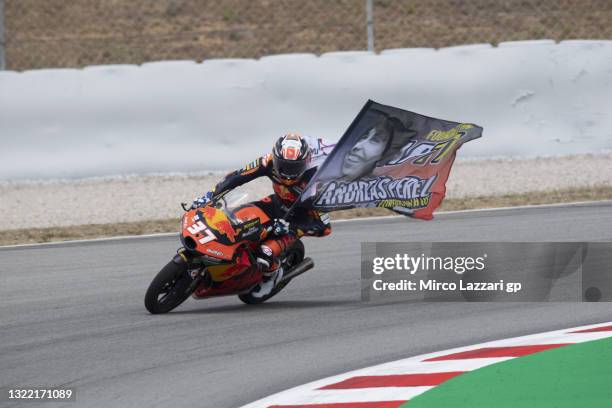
<point>169,288</point>
<point>293,256</point>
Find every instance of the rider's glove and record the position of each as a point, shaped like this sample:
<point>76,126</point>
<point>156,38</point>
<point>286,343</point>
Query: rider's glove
<point>202,201</point>
<point>280,227</point>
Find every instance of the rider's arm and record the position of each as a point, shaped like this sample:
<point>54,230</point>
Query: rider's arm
<point>251,171</point>
<point>310,222</point>
<point>313,223</point>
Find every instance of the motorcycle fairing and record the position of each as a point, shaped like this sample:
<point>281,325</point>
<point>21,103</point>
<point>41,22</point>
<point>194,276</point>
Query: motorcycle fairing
<point>230,278</point>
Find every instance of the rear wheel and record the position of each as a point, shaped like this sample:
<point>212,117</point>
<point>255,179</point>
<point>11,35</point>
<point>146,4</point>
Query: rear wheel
<point>169,288</point>
<point>293,256</point>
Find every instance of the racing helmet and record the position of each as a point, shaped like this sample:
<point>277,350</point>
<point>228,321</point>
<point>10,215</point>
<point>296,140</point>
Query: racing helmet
<point>290,156</point>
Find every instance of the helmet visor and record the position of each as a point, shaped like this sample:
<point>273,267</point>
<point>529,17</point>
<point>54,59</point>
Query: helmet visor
<point>289,169</point>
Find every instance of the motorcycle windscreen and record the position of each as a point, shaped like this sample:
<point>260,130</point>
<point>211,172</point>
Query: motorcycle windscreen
<point>389,158</point>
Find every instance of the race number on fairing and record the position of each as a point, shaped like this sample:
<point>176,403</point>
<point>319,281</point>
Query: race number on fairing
<point>198,227</point>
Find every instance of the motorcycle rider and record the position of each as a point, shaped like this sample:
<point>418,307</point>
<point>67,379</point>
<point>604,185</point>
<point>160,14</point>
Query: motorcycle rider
<point>288,168</point>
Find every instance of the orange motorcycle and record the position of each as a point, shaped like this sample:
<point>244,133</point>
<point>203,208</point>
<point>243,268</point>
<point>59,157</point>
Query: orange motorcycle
<point>217,257</point>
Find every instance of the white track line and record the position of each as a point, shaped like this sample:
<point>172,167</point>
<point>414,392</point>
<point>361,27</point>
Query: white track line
<point>348,396</point>
<point>361,219</point>
<point>82,241</point>
<point>312,394</point>
<point>519,207</point>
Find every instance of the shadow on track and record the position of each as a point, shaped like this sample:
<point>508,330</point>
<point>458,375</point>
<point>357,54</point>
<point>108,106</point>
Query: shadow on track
<point>282,305</point>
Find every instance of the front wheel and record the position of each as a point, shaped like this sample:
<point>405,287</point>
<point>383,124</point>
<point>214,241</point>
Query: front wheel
<point>169,288</point>
<point>292,257</point>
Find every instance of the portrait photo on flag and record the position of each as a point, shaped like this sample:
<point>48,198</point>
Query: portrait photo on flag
<point>389,158</point>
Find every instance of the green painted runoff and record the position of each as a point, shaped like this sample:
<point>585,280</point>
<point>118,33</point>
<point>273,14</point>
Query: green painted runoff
<point>579,375</point>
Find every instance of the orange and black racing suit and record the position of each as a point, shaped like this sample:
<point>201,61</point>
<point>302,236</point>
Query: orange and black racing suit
<point>303,221</point>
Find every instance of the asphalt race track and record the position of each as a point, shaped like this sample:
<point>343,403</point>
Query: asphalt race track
<point>73,315</point>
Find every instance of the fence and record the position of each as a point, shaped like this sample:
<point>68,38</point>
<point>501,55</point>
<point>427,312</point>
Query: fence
<point>59,33</point>
<point>2,65</point>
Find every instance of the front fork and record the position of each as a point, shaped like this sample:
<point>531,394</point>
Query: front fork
<point>196,270</point>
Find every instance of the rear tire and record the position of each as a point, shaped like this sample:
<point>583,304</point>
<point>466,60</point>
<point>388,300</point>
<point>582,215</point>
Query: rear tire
<point>169,288</point>
<point>293,256</point>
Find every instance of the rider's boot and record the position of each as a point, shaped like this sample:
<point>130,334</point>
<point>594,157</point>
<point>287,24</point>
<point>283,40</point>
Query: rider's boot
<point>268,260</point>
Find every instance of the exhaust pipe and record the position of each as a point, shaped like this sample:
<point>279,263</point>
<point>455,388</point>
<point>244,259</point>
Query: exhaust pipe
<point>298,269</point>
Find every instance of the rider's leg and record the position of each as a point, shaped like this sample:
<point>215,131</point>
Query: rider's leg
<point>268,259</point>
<point>269,252</point>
